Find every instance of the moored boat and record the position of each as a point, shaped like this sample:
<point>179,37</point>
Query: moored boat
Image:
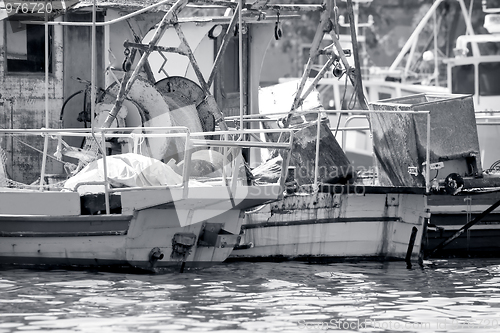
<point>149,228</point>
<point>338,222</point>
<point>468,65</point>
<point>328,213</point>
<point>153,186</point>
<point>451,213</point>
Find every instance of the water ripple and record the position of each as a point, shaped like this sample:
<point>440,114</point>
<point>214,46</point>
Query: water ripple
<point>444,296</point>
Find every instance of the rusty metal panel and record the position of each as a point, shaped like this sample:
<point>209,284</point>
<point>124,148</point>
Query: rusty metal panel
<point>400,140</point>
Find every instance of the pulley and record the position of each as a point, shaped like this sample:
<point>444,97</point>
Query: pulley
<point>127,63</point>
<point>278,32</point>
<point>337,70</point>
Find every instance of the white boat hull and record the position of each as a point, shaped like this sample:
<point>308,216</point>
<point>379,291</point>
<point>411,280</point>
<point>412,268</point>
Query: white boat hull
<point>322,225</point>
<point>158,233</point>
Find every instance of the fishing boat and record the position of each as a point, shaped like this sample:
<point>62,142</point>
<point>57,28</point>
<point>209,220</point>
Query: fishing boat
<point>329,211</point>
<point>471,69</point>
<point>475,72</point>
<point>153,178</point>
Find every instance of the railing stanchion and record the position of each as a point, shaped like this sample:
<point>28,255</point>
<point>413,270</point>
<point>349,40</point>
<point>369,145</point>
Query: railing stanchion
<point>47,122</point>
<point>316,159</point>
<point>284,166</point>
<point>225,150</point>
<point>236,169</point>
<point>428,155</point>
<point>187,165</point>
<point>105,168</point>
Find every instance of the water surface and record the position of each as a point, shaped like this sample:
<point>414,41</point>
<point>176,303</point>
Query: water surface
<point>443,296</point>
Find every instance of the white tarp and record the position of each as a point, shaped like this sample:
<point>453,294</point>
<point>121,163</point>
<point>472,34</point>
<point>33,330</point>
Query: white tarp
<point>125,170</point>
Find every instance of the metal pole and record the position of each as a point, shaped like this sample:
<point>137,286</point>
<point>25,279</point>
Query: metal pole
<point>105,169</point>
<point>436,68</point>
<point>240,45</point>
<point>187,166</point>
<point>470,29</point>
<point>357,74</point>
<point>414,35</point>
<point>428,155</point>
<point>92,69</point>
<point>46,138</point>
<point>92,107</point>
<point>316,159</point>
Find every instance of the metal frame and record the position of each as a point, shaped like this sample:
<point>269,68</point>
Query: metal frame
<point>190,142</point>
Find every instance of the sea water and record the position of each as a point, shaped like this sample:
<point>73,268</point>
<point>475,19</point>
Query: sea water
<point>457,295</point>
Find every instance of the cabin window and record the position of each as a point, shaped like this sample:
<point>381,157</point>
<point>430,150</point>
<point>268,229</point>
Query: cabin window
<point>489,79</point>
<point>489,48</point>
<point>462,81</point>
<point>25,46</point>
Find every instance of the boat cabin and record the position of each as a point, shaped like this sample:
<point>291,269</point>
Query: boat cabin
<point>476,67</point>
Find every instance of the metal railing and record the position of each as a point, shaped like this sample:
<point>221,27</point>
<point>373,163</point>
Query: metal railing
<point>192,140</point>
<point>487,120</point>
<point>365,113</point>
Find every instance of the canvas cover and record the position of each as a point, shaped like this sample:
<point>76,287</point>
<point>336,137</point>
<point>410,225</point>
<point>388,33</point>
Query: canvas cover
<point>400,140</point>
<point>125,170</point>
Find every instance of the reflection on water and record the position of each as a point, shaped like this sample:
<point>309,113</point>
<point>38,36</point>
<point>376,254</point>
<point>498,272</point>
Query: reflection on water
<point>444,296</point>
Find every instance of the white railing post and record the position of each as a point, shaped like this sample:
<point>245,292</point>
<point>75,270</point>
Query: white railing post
<point>284,166</point>
<point>47,123</point>
<point>316,158</point>
<point>428,155</point>
<point>105,169</point>
<point>225,150</point>
<point>187,165</point>
<point>236,169</point>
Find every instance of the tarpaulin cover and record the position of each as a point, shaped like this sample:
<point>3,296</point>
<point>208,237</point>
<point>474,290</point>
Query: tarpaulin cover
<point>125,170</point>
<point>400,140</point>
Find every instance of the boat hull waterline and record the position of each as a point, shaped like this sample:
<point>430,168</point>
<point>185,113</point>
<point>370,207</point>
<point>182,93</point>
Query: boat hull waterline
<point>332,225</point>
<point>154,233</point>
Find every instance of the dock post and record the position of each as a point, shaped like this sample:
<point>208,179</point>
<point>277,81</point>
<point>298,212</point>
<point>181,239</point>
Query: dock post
<point>413,235</point>
<point>423,243</point>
